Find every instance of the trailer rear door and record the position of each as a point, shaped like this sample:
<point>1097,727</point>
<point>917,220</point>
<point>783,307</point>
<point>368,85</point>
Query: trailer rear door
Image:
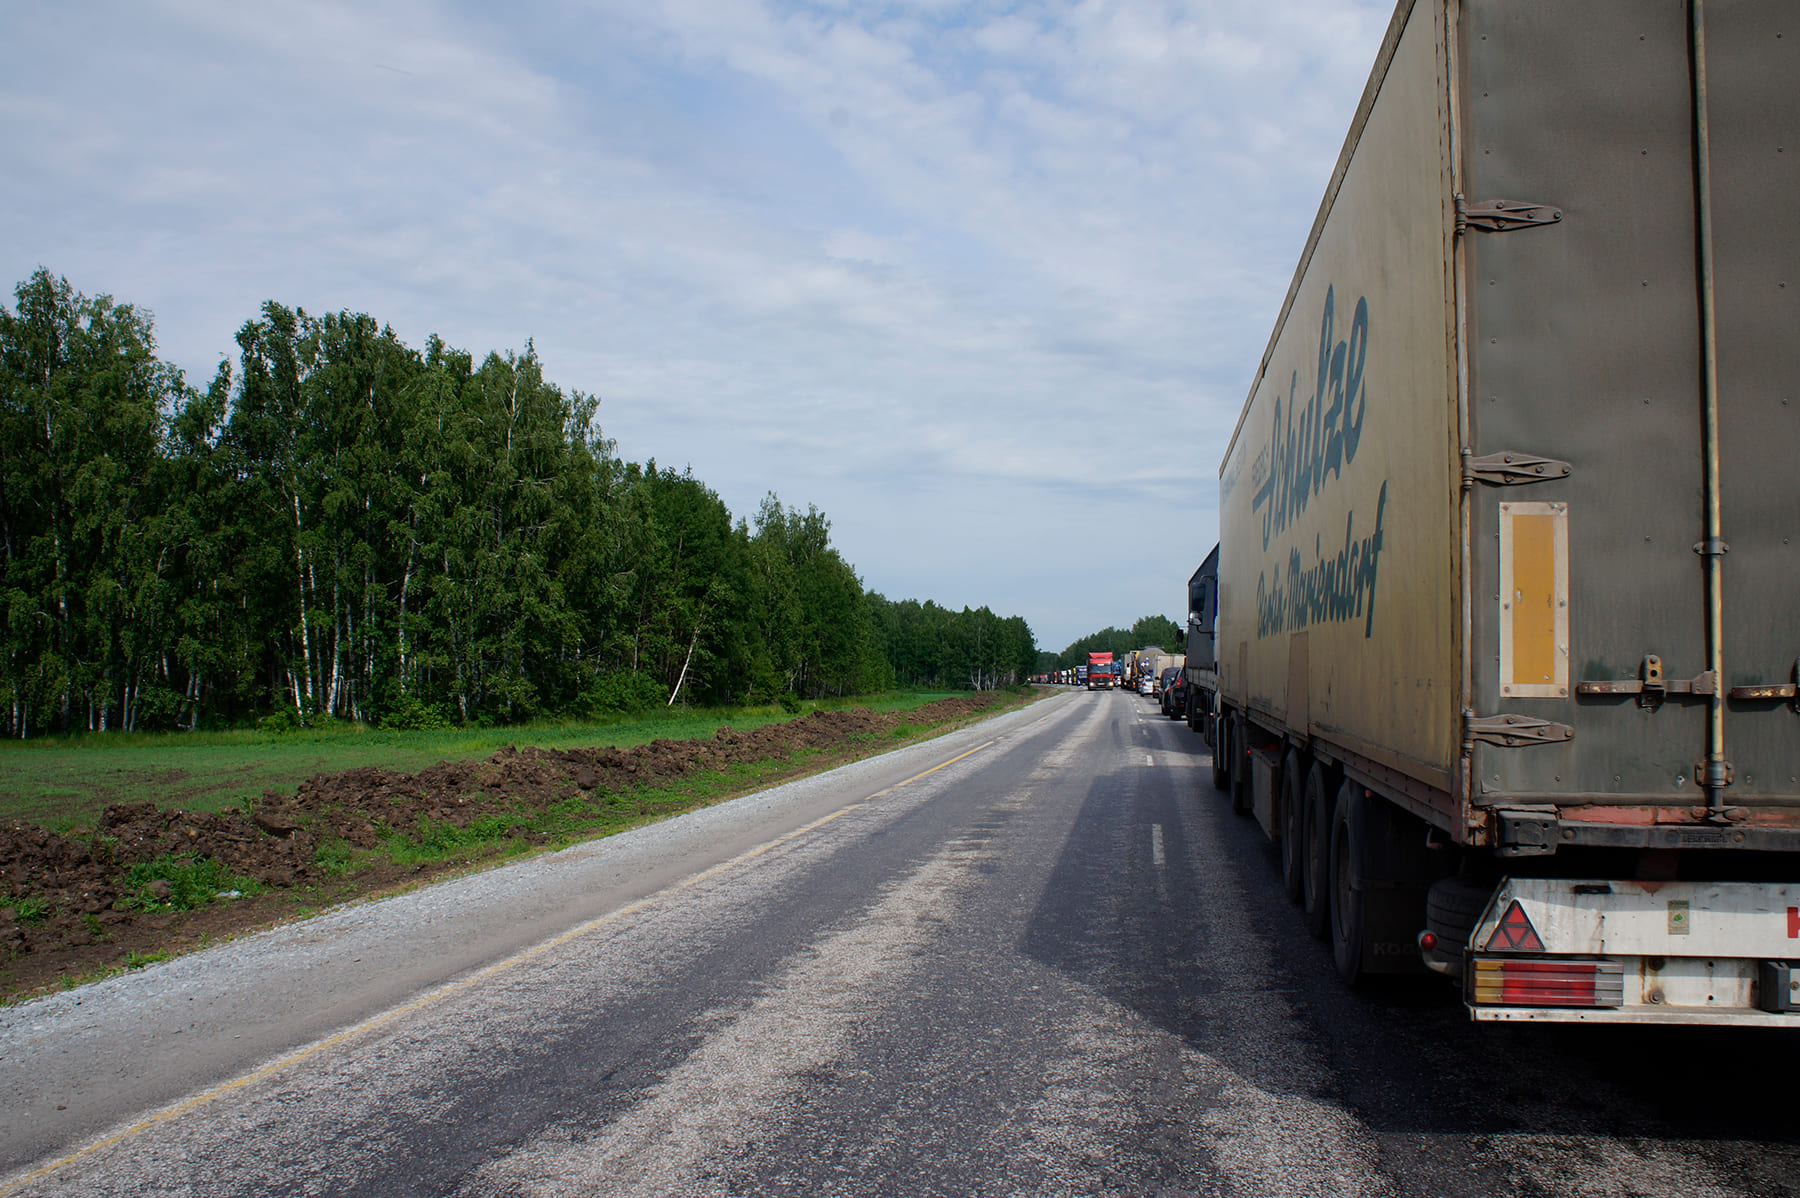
<point>1587,345</point>
<point>1753,103</point>
<point>1583,347</point>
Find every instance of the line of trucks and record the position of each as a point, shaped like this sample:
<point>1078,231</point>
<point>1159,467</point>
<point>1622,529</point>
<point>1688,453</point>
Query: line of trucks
<point>1145,670</point>
<point>1141,670</point>
<point>1500,642</point>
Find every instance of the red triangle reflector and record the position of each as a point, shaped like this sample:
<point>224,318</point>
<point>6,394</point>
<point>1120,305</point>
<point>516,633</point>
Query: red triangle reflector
<point>1515,933</point>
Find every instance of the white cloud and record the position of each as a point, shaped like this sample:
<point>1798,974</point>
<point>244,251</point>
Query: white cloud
<point>984,281</point>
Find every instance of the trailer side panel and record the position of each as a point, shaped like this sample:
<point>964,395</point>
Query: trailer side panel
<point>1338,602</point>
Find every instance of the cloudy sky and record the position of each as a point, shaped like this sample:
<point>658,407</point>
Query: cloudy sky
<point>984,280</point>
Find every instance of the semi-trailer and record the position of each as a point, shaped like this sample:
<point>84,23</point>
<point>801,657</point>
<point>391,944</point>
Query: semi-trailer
<point>1201,669</point>
<point>1141,664</point>
<point>1156,664</point>
<point>1507,641</point>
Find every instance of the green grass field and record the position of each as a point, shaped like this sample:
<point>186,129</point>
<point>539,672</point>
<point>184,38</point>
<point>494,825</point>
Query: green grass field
<point>63,782</point>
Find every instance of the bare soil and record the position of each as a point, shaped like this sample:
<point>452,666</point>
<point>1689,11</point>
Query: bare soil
<point>66,911</point>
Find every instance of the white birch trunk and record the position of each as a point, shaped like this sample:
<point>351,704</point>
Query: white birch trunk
<point>300,573</point>
<point>684,668</point>
<point>338,634</point>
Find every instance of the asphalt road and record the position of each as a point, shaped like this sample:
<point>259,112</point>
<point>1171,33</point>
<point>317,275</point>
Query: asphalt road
<point>1053,964</point>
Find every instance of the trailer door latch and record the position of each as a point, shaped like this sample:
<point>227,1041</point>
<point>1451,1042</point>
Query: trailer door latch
<point>1513,731</point>
<point>1650,686</point>
<point>1511,469</point>
<point>1773,690</point>
<point>1501,216</point>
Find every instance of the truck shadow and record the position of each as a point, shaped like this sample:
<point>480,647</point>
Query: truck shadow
<point>1206,947</point>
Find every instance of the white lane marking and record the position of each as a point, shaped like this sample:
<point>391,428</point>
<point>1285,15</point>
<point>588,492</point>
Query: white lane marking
<point>1149,760</point>
<point>1156,849</point>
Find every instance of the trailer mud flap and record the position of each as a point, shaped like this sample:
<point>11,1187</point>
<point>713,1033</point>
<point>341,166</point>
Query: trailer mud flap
<point>1393,916</point>
<point>1392,877</point>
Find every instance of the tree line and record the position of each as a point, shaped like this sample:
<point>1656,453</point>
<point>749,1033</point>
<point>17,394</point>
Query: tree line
<point>340,525</point>
<point>934,648</point>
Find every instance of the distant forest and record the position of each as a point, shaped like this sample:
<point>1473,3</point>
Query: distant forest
<point>1158,631</point>
<point>342,526</point>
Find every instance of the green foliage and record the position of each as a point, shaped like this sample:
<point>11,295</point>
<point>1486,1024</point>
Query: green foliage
<point>410,715</point>
<point>439,837</point>
<point>136,960</point>
<point>343,527</point>
<point>32,911</point>
<point>928,645</point>
<point>282,719</point>
<point>188,882</point>
<point>332,858</point>
<point>612,692</point>
<point>1156,630</point>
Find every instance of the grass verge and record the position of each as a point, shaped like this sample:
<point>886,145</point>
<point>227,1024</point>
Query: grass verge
<point>64,782</point>
<point>153,881</point>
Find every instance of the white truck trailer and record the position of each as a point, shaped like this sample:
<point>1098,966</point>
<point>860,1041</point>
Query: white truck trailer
<point>1508,630</point>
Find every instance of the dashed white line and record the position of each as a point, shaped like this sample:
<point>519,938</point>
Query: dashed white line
<point>1156,847</point>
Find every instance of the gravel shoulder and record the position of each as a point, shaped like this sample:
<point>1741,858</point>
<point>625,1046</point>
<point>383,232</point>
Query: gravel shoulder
<point>75,1063</point>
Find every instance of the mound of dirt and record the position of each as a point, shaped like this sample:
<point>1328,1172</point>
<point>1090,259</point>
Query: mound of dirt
<point>66,904</point>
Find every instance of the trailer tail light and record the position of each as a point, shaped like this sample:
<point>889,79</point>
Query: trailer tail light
<point>1541,982</point>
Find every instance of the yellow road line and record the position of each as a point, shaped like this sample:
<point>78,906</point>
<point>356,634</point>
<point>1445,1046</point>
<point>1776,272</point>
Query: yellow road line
<point>934,769</point>
<point>288,1060</point>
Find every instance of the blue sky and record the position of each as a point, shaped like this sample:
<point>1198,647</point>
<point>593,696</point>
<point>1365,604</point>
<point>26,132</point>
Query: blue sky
<point>986,282</point>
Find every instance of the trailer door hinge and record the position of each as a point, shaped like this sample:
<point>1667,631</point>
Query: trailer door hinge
<point>1650,686</point>
<point>1513,731</point>
<point>1774,690</point>
<point>1501,216</point>
<point>1511,469</point>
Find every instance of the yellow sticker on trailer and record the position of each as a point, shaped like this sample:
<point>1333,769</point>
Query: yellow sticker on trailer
<point>1534,600</point>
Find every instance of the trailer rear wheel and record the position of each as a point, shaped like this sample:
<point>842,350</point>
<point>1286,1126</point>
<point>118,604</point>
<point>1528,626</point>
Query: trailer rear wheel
<point>1293,825</point>
<point>1453,906</point>
<point>1238,754</point>
<point>1315,849</point>
<point>1348,836</point>
<point>1221,759</point>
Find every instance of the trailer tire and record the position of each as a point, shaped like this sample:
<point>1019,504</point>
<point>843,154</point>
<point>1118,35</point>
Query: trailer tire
<point>1348,835</point>
<point>1316,810</point>
<point>1293,826</point>
<point>1221,758</point>
<point>1453,906</point>
<point>1238,755</point>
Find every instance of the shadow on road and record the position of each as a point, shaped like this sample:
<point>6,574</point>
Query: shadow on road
<point>1207,948</point>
